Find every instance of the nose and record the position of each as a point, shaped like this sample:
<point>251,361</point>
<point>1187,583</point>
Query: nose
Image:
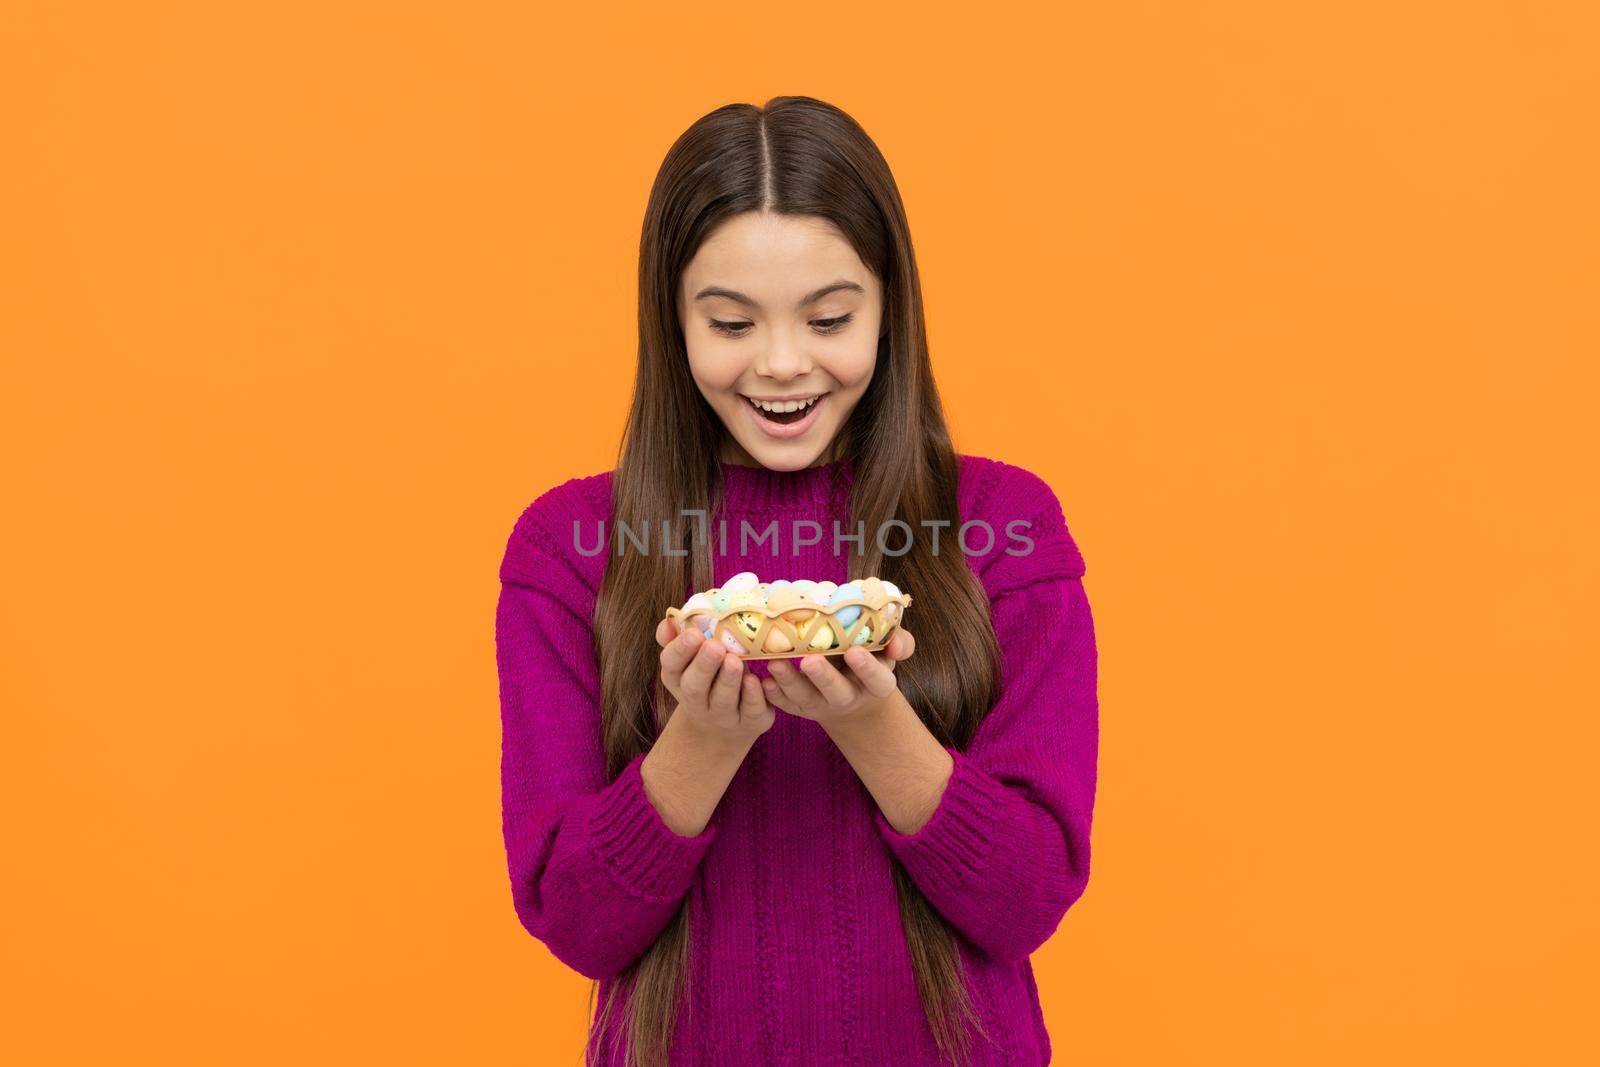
<point>783,357</point>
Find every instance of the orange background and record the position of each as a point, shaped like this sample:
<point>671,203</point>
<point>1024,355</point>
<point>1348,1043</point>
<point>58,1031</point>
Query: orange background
<point>1293,305</point>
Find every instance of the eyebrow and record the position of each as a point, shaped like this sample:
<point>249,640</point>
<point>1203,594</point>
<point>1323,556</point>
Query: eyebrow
<point>810,298</point>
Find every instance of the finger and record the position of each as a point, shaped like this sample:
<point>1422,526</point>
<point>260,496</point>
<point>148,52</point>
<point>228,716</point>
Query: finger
<point>702,671</point>
<point>752,701</point>
<point>795,688</point>
<point>666,630</point>
<point>901,645</point>
<point>725,691</point>
<point>835,688</point>
<point>677,653</point>
<point>873,674</point>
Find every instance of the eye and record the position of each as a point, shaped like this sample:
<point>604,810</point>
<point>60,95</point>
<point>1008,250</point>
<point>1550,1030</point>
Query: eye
<point>739,329</point>
<point>729,328</point>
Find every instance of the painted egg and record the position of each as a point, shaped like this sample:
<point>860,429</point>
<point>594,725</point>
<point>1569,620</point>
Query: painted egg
<point>817,593</point>
<point>873,593</point>
<point>891,588</point>
<point>847,591</point>
<point>864,635</point>
<point>732,642</point>
<point>699,600</point>
<point>784,597</point>
<point>777,641</point>
<point>720,600</point>
<point>747,598</point>
<point>890,611</point>
<point>705,622</point>
<point>823,638</point>
<point>748,623</point>
<point>800,617</point>
<point>740,582</point>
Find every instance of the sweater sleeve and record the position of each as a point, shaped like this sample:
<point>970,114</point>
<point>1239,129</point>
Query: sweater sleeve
<point>1005,853</point>
<point>595,872</point>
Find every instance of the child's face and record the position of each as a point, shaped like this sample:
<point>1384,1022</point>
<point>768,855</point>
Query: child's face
<point>777,344</point>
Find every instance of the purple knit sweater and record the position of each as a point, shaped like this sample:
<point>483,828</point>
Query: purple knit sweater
<point>798,955</point>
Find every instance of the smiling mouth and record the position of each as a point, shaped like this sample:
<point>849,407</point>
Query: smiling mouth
<point>784,412</point>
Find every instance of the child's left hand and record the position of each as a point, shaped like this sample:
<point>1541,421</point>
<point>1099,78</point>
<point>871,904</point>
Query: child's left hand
<point>820,691</point>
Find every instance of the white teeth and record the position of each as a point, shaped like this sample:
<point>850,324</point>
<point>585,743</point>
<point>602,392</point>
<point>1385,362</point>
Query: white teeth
<point>784,405</point>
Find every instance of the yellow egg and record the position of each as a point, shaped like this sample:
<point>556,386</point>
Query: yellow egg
<point>823,638</point>
<point>747,622</point>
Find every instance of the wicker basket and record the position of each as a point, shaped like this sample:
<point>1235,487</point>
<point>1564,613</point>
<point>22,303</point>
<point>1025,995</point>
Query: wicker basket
<point>750,629</point>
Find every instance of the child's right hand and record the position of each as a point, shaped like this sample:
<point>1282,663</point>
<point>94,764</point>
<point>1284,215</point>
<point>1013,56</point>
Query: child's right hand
<point>711,685</point>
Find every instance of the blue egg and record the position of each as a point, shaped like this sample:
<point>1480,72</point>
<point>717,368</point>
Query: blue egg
<point>847,591</point>
<point>721,601</point>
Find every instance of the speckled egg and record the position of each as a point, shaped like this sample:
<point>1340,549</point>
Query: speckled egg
<point>847,591</point>
<point>800,618</point>
<point>781,598</point>
<point>747,598</point>
<point>697,602</point>
<point>740,582</point>
<point>863,635</point>
<point>814,592</point>
<point>823,639</point>
<point>731,641</point>
<point>748,624</point>
<point>873,593</point>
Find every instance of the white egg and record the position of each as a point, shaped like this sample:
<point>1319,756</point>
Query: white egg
<point>740,582</point>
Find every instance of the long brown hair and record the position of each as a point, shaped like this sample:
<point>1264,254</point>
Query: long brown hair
<point>793,156</point>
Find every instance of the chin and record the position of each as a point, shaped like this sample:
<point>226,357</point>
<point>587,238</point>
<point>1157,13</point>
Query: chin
<point>778,458</point>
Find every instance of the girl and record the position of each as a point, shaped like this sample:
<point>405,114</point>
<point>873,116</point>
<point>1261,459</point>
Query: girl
<point>824,860</point>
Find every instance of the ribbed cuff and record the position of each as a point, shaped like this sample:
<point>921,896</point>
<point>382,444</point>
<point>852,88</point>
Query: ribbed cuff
<point>629,838</point>
<point>952,844</point>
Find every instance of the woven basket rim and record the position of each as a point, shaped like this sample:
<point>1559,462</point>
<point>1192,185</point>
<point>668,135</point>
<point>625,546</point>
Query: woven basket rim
<point>754,647</point>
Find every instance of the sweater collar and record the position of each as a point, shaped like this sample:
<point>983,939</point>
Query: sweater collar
<point>761,489</point>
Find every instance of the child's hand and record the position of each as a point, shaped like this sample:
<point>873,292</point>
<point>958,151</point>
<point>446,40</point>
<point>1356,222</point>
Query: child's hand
<point>711,685</point>
<point>820,691</point>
